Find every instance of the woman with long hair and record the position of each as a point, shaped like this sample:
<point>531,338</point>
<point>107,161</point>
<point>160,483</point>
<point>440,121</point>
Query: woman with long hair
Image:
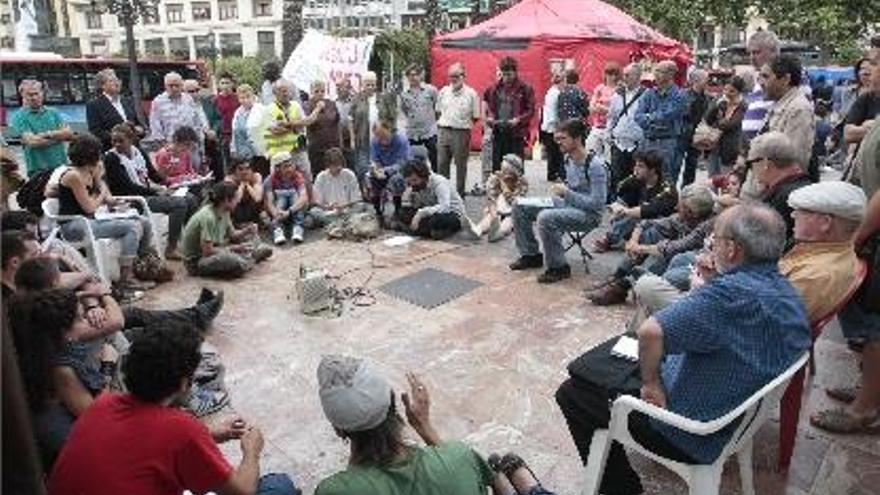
<point>61,376</point>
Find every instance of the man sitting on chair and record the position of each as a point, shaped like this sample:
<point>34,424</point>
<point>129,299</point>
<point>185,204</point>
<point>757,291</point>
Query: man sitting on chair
<point>704,355</point>
<point>821,264</point>
<point>576,206</point>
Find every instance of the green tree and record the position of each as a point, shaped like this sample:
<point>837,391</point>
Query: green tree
<point>245,69</point>
<point>406,46</point>
<point>291,26</point>
<point>837,26</point>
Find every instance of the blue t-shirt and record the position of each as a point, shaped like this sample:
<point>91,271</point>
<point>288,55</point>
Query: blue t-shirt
<point>725,341</point>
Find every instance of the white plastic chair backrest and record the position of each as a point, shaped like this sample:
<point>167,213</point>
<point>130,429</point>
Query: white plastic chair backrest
<point>51,207</point>
<point>757,407</point>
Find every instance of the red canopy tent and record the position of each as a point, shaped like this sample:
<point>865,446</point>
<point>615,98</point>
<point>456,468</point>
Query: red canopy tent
<point>535,32</point>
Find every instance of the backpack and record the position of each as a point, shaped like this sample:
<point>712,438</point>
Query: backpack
<point>33,192</point>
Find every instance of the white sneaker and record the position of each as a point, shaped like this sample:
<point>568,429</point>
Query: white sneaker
<point>297,233</point>
<point>278,234</point>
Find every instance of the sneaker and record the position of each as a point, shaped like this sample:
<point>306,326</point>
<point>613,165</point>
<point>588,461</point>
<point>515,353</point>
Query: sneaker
<point>495,230</point>
<point>261,253</point>
<point>297,235</point>
<point>278,236</point>
<point>209,309</point>
<point>203,401</point>
<point>553,275</point>
<point>526,262</point>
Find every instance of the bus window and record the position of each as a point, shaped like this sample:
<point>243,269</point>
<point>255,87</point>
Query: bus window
<point>55,91</point>
<point>79,90</point>
<point>10,93</point>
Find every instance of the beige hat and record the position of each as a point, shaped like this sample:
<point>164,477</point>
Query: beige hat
<point>281,157</point>
<point>354,396</point>
<point>836,198</point>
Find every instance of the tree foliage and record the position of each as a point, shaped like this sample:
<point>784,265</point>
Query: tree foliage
<point>837,26</point>
<point>245,69</point>
<point>408,46</point>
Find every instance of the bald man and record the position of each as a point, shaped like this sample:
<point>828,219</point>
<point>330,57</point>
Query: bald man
<point>172,110</point>
<point>661,116</point>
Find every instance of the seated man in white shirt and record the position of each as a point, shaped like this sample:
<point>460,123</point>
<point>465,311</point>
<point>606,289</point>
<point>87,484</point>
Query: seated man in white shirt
<point>336,191</point>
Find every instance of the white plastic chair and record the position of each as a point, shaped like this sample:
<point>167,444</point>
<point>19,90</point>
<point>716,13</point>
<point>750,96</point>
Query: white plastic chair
<point>701,479</point>
<point>103,254</point>
<point>96,249</point>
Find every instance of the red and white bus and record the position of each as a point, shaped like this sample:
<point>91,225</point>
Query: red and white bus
<point>70,82</point>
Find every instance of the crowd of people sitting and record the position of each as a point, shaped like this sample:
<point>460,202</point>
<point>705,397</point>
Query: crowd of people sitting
<point>728,275</point>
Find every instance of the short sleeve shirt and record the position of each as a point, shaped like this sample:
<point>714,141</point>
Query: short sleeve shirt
<point>723,342</point>
<point>449,468</point>
<point>418,106</point>
<point>124,445</point>
<point>205,226</point>
<point>458,109</point>
<point>28,120</point>
<point>176,167</point>
<point>340,190</point>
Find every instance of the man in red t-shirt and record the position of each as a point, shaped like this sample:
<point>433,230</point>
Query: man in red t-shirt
<point>141,444</point>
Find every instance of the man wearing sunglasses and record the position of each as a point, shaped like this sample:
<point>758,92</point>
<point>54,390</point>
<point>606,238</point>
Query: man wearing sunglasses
<point>775,166</point>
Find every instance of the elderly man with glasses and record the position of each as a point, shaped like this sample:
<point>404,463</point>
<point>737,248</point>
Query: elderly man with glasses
<point>172,110</point>
<point>775,165</point>
<point>458,107</point>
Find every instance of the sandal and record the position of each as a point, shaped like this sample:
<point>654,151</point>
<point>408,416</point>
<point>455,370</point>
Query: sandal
<point>510,464</point>
<point>840,421</point>
<point>843,394</point>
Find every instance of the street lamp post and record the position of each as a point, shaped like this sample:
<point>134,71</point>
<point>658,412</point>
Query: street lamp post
<point>128,12</point>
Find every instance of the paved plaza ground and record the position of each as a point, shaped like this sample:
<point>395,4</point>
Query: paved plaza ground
<point>492,360</point>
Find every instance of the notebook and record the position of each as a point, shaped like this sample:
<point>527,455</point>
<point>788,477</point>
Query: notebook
<point>626,348</point>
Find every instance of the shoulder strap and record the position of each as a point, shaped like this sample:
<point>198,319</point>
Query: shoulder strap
<point>626,106</point>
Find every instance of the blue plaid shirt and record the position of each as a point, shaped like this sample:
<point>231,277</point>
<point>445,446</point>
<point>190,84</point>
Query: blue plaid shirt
<point>725,341</point>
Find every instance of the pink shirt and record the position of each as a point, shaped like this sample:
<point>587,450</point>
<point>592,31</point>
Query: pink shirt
<point>601,96</point>
<point>176,167</point>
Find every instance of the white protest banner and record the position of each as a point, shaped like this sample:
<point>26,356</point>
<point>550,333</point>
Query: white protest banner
<point>321,57</point>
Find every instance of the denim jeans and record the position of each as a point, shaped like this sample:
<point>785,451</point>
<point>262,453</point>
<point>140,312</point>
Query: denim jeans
<point>552,224</point>
<point>678,273</point>
<point>133,234</point>
<point>621,229</point>
<point>222,264</point>
<point>277,484</point>
<point>670,149</point>
<point>284,201</point>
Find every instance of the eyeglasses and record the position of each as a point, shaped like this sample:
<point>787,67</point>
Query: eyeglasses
<point>752,161</point>
<point>454,76</point>
<point>193,90</point>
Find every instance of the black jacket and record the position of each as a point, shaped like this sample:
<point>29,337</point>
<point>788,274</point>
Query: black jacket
<point>118,181</point>
<point>655,202</point>
<point>102,116</point>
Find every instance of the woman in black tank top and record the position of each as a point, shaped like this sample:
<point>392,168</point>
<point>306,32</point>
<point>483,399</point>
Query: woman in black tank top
<point>82,191</point>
